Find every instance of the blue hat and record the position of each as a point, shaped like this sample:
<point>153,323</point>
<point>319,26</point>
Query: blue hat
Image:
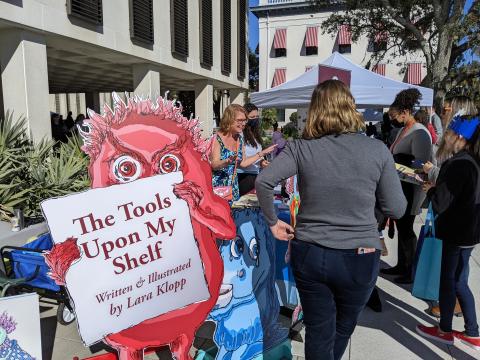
<point>464,126</point>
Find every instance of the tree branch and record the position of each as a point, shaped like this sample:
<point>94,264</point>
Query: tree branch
<point>409,26</point>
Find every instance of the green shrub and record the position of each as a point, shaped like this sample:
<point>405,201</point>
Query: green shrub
<point>31,173</point>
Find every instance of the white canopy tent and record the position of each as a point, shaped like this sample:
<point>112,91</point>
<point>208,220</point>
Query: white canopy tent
<point>369,89</point>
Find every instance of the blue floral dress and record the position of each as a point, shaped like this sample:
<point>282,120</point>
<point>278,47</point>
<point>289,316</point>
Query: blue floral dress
<point>223,177</point>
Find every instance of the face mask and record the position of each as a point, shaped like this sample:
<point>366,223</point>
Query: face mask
<point>253,122</point>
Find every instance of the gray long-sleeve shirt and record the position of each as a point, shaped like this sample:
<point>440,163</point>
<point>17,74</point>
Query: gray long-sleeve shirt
<point>340,179</point>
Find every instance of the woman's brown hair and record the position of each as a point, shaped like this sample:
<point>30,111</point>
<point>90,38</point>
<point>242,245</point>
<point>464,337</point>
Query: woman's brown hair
<point>332,111</point>
<point>228,117</point>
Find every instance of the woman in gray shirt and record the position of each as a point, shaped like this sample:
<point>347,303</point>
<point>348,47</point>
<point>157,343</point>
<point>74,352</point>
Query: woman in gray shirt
<point>335,249</point>
<point>413,142</point>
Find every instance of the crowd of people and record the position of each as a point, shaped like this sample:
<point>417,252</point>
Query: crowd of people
<point>335,245</point>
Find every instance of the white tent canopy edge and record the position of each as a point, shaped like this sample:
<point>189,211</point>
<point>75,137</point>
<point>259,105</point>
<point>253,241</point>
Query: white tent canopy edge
<point>369,89</point>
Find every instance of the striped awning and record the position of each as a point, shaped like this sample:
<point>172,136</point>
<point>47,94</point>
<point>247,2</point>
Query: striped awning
<point>279,77</point>
<point>280,39</point>
<point>344,35</point>
<point>380,69</point>
<point>311,36</point>
<point>308,68</point>
<point>414,73</point>
<point>381,36</point>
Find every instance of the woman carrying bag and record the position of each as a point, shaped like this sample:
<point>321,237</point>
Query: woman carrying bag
<point>455,200</point>
<point>228,153</point>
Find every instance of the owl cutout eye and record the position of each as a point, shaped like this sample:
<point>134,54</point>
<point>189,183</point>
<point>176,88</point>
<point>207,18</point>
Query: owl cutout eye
<point>126,169</point>
<point>168,163</point>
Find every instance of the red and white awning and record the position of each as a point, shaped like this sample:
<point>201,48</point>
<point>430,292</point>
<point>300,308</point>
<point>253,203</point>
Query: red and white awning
<point>381,37</point>
<point>380,69</point>
<point>414,73</point>
<point>279,77</point>
<point>280,39</point>
<point>344,35</point>
<point>311,36</point>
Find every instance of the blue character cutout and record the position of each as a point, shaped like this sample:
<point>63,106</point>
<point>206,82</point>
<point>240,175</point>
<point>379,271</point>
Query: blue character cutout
<point>247,309</point>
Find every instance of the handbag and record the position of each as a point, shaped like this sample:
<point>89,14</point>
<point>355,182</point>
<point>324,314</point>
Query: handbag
<point>426,283</point>
<point>226,191</point>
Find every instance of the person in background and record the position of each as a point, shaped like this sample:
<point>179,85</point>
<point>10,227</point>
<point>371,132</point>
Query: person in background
<point>457,104</point>
<point>252,136</point>
<point>229,149</point>
<point>413,143</point>
<point>371,130</point>
<point>456,204</point>
<point>422,117</point>
<point>436,122</point>
<point>69,123</point>
<point>335,247</point>
<point>277,139</point>
<point>386,129</point>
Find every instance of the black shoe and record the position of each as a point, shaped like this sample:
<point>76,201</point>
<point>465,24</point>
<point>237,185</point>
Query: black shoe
<point>405,279</point>
<point>374,302</point>
<point>396,270</point>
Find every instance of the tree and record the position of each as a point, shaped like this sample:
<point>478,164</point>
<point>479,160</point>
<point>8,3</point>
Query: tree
<point>252,70</point>
<point>443,30</point>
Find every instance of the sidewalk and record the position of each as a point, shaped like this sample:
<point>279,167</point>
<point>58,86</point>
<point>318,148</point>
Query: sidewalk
<point>388,335</point>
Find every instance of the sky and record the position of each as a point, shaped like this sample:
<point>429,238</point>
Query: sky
<point>253,30</point>
<point>253,27</point>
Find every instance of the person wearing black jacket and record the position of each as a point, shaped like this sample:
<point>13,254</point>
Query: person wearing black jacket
<point>456,203</point>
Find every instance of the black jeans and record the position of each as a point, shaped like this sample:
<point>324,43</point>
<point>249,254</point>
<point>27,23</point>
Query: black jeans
<point>453,284</point>
<point>407,243</point>
<point>334,286</point>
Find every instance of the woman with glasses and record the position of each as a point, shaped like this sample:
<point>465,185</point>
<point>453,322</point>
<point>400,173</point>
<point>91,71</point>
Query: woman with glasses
<point>252,134</point>
<point>228,149</point>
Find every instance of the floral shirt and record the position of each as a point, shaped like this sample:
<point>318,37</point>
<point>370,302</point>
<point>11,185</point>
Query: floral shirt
<point>223,177</point>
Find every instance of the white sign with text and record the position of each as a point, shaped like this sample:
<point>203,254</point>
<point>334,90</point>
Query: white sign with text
<point>139,258</point>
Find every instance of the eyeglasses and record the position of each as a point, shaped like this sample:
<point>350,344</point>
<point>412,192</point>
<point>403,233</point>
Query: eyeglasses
<point>241,121</point>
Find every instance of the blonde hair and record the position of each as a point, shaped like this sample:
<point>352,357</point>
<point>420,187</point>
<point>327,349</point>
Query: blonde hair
<point>458,103</point>
<point>228,117</point>
<point>332,111</point>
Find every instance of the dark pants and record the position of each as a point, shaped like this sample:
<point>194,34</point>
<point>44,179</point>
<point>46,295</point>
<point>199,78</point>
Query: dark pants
<point>334,286</point>
<point>246,183</point>
<point>454,284</point>
<point>407,243</point>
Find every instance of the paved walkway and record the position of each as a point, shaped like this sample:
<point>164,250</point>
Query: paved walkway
<point>388,335</point>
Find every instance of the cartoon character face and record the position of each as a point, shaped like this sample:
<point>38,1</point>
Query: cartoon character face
<point>246,263</point>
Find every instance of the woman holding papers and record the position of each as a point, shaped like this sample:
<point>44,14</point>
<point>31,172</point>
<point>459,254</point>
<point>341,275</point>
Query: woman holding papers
<point>413,143</point>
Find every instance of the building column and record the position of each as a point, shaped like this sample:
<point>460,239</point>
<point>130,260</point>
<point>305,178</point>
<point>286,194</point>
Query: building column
<point>146,80</point>
<point>23,65</point>
<point>204,106</point>
<point>92,101</point>
<point>237,96</point>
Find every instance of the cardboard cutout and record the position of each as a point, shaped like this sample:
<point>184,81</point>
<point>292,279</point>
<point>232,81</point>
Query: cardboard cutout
<point>138,140</point>
<point>246,313</point>
<point>20,327</point>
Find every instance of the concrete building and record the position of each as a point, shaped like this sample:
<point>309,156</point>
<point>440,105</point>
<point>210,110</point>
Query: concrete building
<point>291,41</point>
<point>66,55</point>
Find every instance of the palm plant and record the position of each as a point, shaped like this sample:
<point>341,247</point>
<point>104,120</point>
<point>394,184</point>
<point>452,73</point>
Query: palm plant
<point>31,173</point>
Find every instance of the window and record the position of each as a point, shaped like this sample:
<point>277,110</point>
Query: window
<point>311,50</point>
<point>179,28</point>
<point>141,21</point>
<point>280,52</point>
<point>87,10</point>
<point>345,49</point>
<point>206,47</point>
<point>226,37</point>
<point>242,38</point>
<point>280,42</point>
<point>379,46</point>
